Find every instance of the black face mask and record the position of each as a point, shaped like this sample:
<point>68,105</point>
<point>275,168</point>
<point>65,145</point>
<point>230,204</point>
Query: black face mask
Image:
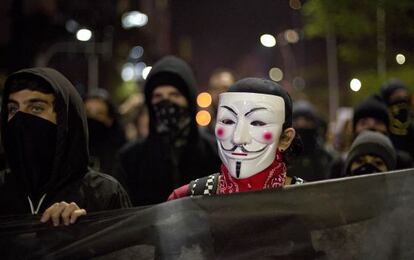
<point>30,147</point>
<point>98,131</point>
<point>365,169</point>
<point>171,118</point>
<point>399,116</point>
<point>309,139</point>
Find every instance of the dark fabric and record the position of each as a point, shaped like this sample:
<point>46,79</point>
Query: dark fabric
<point>69,180</point>
<point>375,144</point>
<point>104,144</point>
<point>26,138</point>
<point>151,169</point>
<point>389,87</point>
<point>371,107</point>
<point>364,217</point>
<point>313,166</point>
<point>264,86</point>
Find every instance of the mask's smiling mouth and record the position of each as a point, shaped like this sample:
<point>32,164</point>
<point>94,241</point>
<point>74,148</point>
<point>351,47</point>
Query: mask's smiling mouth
<point>241,154</point>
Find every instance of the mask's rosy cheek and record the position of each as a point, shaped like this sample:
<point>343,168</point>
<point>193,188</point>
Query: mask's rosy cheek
<point>267,136</point>
<point>220,132</point>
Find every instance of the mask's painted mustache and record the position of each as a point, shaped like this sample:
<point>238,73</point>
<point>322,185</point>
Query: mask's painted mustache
<point>242,148</point>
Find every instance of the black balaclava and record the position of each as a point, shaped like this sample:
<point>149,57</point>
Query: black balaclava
<point>374,144</point>
<point>373,108</point>
<point>66,141</point>
<point>399,109</point>
<point>166,118</point>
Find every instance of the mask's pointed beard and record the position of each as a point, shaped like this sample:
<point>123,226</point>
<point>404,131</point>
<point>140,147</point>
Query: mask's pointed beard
<point>238,166</point>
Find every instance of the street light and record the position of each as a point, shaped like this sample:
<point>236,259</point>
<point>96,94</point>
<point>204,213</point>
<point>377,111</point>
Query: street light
<point>134,19</point>
<point>355,85</point>
<point>400,58</point>
<point>268,40</point>
<point>84,35</point>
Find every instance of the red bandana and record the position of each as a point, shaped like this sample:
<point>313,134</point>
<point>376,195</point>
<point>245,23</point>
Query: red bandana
<point>272,177</point>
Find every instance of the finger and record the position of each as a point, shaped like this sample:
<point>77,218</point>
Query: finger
<point>67,212</point>
<point>76,214</point>
<point>46,215</point>
<point>57,211</point>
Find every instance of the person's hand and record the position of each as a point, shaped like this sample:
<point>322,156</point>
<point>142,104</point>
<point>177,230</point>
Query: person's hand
<point>67,212</point>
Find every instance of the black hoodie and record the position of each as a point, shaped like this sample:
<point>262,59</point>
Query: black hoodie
<point>70,180</point>
<point>147,167</point>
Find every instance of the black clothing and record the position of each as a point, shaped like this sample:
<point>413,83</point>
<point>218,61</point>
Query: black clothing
<point>312,166</point>
<point>151,169</point>
<point>70,179</point>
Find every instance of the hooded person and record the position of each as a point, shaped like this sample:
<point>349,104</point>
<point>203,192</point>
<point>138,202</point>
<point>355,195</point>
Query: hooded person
<point>370,152</point>
<point>254,132</point>
<point>45,136</point>
<point>314,162</point>
<point>175,151</point>
<point>106,135</point>
<point>397,98</point>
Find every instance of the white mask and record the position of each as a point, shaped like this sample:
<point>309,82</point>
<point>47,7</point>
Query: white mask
<point>248,129</point>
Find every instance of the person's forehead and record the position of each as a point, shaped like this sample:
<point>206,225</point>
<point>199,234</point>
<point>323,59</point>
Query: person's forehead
<point>245,99</point>
<point>95,102</point>
<point>165,89</point>
<point>27,94</point>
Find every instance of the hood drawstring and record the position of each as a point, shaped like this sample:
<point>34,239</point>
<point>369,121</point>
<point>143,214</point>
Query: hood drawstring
<point>34,212</point>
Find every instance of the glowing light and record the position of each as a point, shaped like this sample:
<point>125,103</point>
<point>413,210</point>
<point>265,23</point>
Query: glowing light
<point>146,71</point>
<point>291,36</point>
<point>275,74</point>
<point>299,83</point>
<point>204,99</point>
<point>295,4</point>
<point>71,26</point>
<point>203,118</point>
<point>128,72</point>
<point>268,40</point>
<point>84,35</point>
<point>136,52</point>
<point>134,19</point>
<point>355,85</point>
<point>400,58</point>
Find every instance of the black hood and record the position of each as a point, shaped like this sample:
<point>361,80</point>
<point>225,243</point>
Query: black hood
<point>71,157</point>
<point>172,71</point>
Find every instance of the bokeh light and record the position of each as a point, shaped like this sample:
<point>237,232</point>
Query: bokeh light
<point>295,4</point>
<point>146,71</point>
<point>203,118</point>
<point>84,35</point>
<point>291,36</point>
<point>400,58</point>
<point>355,85</point>
<point>134,19</point>
<point>268,40</point>
<point>275,74</point>
<point>204,99</point>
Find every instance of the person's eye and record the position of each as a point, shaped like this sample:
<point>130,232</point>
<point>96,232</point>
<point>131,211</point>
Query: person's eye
<point>13,109</point>
<point>37,109</point>
<point>258,123</point>
<point>227,121</point>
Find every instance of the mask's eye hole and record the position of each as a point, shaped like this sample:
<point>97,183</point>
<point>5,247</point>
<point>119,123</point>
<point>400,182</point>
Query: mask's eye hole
<point>257,123</point>
<point>227,121</point>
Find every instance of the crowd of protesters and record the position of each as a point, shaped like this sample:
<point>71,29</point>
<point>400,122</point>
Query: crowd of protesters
<point>64,155</point>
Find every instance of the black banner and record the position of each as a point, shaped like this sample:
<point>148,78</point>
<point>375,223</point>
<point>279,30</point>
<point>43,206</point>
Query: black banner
<point>366,217</point>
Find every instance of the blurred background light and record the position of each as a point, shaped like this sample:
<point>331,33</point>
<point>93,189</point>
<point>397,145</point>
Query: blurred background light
<point>204,99</point>
<point>71,26</point>
<point>136,52</point>
<point>203,118</point>
<point>138,69</point>
<point>128,72</point>
<point>400,58</point>
<point>134,19</point>
<point>295,4</point>
<point>275,74</point>
<point>299,83</point>
<point>355,85</point>
<point>268,40</point>
<point>291,36</point>
<point>84,35</point>
<point>145,72</point>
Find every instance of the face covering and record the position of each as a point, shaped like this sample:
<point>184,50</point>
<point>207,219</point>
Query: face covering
<point>365,169</point>
<point>30,148</point>
<point>248,129</point>
<point>399,112</point>
<point>309,139</point>
<point>171,118</point>
<point>98,131</point>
